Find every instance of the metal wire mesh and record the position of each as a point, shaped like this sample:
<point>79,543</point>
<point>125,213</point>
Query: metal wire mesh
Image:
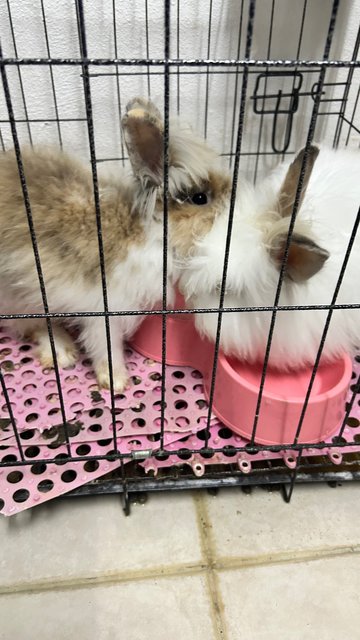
<point>281,96</point>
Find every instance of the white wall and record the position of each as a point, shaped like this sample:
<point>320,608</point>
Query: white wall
<point>193,43</point>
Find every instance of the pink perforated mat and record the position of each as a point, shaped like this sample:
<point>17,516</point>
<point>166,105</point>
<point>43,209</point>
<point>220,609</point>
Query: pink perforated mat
<point>35,403</point>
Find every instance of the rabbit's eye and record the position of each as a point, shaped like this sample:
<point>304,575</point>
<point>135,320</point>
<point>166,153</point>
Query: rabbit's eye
<point>199,198</point>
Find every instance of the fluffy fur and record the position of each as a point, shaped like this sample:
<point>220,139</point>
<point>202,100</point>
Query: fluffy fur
<point>62,204</point>
<point>329,204</point>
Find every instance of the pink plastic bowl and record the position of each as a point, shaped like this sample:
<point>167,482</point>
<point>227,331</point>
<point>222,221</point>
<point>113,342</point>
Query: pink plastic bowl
<point>237,385</point>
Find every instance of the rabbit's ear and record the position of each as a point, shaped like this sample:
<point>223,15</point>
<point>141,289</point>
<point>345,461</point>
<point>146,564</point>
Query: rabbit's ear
<point>143,132</point>
<point>305,257</point>
<point>290,184</point>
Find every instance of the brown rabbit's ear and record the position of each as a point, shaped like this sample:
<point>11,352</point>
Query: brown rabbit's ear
<point>143,132</point>
<point>290,184</point>
<point>305,257</point>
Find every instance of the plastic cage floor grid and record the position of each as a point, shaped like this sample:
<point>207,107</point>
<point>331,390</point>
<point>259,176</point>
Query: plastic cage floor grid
<point>35,403</point>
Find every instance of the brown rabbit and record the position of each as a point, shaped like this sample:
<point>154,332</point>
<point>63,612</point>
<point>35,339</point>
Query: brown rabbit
<point>62,204</point>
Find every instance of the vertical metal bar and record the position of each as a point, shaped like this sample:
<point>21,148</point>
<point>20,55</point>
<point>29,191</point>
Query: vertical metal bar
<point>350,126</point>
<point>208,71</point>
<point>118,84</point>
<point>309,139</point>
<point>91,137</point>
<point>297,55</point>
<point>265,87</point>
<point>178,56</point>
<point>19,72</point>
<point>349,407</point>
<point>51,74</point>
<point>327,323</point>
<point>249,36</point>
<point>165,214</point>
<point>236,85</point>
<point>27,205</point>
<point>346,95</point>
<point>2,141</point>
<point>11,415</point>
<point>288,495</point>
<point>147,46</point>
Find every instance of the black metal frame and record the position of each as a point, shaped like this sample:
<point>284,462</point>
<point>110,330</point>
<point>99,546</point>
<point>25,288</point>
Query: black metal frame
<point>129,480</point>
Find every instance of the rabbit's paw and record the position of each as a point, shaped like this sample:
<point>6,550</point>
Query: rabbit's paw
<point>120,377</point>
<point>66,351</point>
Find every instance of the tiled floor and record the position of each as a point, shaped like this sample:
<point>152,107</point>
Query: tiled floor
<point>185,567</point>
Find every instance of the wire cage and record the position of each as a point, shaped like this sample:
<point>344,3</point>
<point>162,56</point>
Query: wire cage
<point>259,82</point>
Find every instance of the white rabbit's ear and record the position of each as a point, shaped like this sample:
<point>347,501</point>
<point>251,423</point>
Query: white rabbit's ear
<point>305,257</point>
<point>143,132</point>
<point>290,184</point>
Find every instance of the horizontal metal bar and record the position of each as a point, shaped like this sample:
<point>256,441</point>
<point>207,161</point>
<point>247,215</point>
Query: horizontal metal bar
<point>160,62</point>
<point>56,120</point>
<point>171,484</point>
<point>253,449</point>
<point>160,312</point>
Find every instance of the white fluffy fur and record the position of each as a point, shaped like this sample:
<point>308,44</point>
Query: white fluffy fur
<point>327,215</point>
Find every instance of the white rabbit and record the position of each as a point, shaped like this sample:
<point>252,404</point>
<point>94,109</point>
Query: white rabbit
<point>62,204</point>
<point>328,207</point>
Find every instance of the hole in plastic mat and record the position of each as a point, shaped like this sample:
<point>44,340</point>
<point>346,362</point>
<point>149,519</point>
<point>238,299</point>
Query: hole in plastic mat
<point>83,450</point>
<point>61,458</point>
<point>178,374</point>
<point>45,485</point>
<point>2,504</point>
<point>138,408</point>
<point>162,456</point>
<point>32,417</point>
<point>225,433</point>
<point>95,413</point>
<point>69,475</point>
<point>157,422</point>
<point>179,388</point>
<point>5,352</point>
<point>207,454</point>
<point>251,450</point>
<point>91,465</point>
<point>339,440</point>
<point>182,422</point>
<point>352,422</point>
<point>229,451</point>
<point>135,379</point>
<point>184,454</point>
<point>139,422</point>
<point>38,468</point>
<point>95,428</point>
<point>25,347</point>
<point>155,376</point>
<point>28,434</point>
<point>139,394</point>
<point>9,458</point>
<point>14,477</point>
<point>30,402</point>
<point>105,442</point>
<point>181,404</point>
<point>21,495</point>
<point>32,452</point>
<point>203,434</point>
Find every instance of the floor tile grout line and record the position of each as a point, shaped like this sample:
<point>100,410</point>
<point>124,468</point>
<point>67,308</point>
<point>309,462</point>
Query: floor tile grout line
<point>290,557</point>
<point>208,552</point>
<point>175,571</point>
<point>106,579</point>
